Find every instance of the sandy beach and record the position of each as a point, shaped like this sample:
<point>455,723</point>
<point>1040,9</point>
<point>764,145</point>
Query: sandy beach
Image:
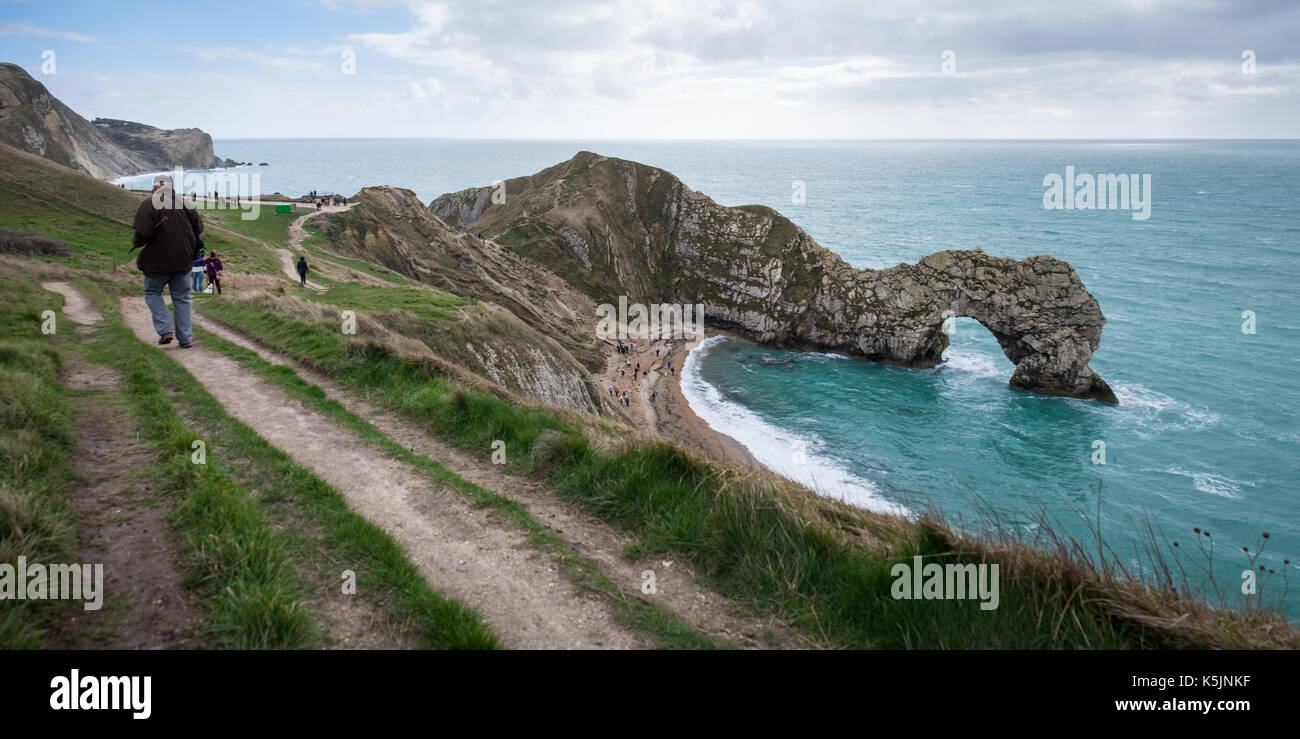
<point>646,370</point>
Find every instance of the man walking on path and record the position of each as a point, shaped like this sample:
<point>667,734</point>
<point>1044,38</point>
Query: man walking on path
<point>302,269</point>
<point>168,228</point>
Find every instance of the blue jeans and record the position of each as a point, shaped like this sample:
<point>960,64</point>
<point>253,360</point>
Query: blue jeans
<point>196,281</point>
<point>179,288</point>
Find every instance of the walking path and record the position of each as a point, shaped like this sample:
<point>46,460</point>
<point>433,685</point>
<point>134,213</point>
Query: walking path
<point>676,587</point>
<point>463,552</point>
<point>121,524</point>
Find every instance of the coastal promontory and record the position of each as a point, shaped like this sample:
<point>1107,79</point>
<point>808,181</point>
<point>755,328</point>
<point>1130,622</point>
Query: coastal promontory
<point>613,227</point>
<point>33,120</point>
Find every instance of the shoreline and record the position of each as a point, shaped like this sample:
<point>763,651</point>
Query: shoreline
<point>669,415</point>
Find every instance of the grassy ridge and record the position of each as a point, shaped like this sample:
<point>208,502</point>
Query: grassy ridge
<point>751,540</point>
<point>94,218</point>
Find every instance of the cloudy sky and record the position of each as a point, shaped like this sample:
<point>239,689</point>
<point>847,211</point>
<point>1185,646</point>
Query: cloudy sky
<point>568,69</point>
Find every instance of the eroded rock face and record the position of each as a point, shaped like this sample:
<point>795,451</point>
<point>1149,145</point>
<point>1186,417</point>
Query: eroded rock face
<point>613,227</point>
<point>530,333</point>
<point>35,121</point>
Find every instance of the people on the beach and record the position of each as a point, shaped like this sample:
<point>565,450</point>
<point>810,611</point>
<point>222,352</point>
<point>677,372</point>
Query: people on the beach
<point>215,270</point>
<point>168,228</point>
<point>302,269</point>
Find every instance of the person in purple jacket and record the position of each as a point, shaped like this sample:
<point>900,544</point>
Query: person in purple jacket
<point>214,268</point>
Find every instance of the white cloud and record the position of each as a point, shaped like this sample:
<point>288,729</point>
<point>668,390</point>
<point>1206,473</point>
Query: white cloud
<point>9,28</point>
<point>263,59</point>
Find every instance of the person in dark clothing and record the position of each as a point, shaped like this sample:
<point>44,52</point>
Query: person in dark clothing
<point>168,227</point>
<point>216,270</point>
<point>302,269</point>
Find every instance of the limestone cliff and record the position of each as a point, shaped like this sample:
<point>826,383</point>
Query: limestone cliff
<point>531,332</point>
<point>613,227</point>
<point>35,121</point>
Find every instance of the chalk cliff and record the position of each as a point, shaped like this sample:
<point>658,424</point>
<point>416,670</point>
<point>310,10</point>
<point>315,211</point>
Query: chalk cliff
<point>35,121</point>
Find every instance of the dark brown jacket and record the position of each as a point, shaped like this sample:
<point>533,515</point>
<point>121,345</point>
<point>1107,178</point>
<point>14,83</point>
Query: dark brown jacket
<point>169,235</point>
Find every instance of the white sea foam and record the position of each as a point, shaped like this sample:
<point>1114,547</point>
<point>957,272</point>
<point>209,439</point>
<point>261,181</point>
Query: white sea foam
<point>774,447</point>
<point>127,178</point>
<point>1151,408</point>
<point>1212,483</point>
<point>975,365</point>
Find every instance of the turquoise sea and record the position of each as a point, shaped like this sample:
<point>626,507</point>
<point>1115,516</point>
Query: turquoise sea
<point>1207,432</point>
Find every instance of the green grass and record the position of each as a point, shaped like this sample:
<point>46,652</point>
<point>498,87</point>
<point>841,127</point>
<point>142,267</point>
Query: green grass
<point>667,631</point>
<point>94,218</point>
<point>244,550</point>
<point>269,226</point>
<point>744,537</point>
<point>37,444</point>
<point>273,228</point>
<point>424,302</point>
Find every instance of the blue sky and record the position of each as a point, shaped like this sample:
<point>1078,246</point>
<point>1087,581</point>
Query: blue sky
<point>672,68</point>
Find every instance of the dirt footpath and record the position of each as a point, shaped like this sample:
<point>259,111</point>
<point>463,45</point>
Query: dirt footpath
<point>676,588</point>
<point>121,524</point>
<point>463,552</point>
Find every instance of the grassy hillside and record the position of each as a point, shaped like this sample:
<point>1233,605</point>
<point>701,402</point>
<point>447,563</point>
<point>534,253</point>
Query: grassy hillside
<point>94,218</point>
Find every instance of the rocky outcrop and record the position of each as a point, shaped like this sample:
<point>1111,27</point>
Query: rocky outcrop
<point>35,121</point>
<point>614,227</point>
<point>21,242</point>
<point>530,332</point>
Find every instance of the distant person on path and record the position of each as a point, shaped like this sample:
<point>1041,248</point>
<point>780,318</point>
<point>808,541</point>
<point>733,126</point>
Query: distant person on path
<point>168,228</point>
<point>302,269</point>
<point>216,271</point>
<point>196,275</point>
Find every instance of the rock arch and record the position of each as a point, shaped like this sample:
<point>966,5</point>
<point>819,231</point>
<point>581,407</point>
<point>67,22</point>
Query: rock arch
<point>1037,309</point>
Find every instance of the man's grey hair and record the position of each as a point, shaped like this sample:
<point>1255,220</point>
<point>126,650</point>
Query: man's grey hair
<point>162,180</point>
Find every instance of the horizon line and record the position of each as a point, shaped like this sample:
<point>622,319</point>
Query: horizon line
<point>738,140</point>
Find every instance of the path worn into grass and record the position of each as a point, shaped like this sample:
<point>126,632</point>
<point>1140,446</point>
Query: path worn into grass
<point>121,525</point>
<point>462,551</point>
<point>76,306</point>
<point>291,269</point>
<point>677,589</point>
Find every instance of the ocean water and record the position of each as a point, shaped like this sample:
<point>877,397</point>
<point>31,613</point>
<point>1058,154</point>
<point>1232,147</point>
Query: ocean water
<point>1207,432</point>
